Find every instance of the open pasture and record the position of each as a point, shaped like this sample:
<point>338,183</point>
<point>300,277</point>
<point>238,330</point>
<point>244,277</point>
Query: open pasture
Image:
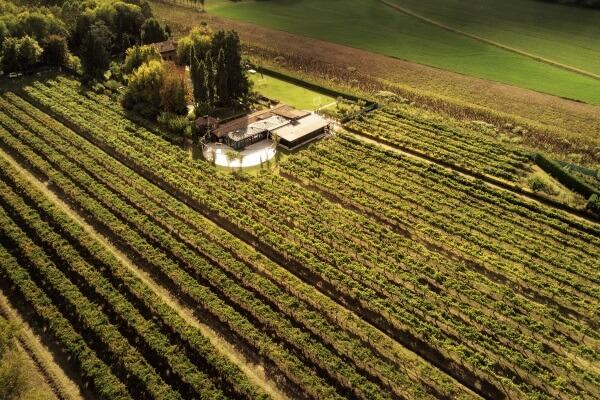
<point>568,35</point>
<point>374,26</point>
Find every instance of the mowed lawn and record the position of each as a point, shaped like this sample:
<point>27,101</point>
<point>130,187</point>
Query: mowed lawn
<point>288,93</point>
<point>568,35</point>
<point>370,25</point>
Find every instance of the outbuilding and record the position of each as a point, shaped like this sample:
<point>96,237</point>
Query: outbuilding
<point>293,128</point>
<point>166,49</point>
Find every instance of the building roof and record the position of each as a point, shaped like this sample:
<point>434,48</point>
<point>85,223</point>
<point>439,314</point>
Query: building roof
<point>206,121</point>
<point>303,127</point>
<point>246,120</point>
<point>262,125</point>
<point>290,112</point>
<point>167,46</point>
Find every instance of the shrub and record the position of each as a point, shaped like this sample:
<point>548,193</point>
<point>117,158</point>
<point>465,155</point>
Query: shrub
<point>176,124</point>
<point>593,204</point>
<point>571,182</point>
<point>539,183</point>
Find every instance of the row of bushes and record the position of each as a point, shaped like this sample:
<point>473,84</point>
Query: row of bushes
<point>569,180</point>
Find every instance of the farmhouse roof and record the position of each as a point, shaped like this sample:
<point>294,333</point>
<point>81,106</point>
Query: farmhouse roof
<point>290,112</point>
<point>258,127</point>
<point>245,121</point>
<point>206,121</point>
<point>167,46</point>
<point>299,129</point>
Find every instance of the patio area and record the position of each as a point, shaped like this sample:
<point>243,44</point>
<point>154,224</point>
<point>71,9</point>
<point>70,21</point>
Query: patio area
<point>251,156</point>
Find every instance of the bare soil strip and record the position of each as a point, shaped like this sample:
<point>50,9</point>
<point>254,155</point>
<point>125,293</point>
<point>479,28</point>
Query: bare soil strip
<point>255,373</point>
<point>60,384</point>
<point>420,17</point>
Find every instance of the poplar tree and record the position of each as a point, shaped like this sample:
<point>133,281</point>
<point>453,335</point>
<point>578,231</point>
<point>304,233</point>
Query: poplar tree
<point>199,76</point>
<point>222,79</point>
<point>210,78</point>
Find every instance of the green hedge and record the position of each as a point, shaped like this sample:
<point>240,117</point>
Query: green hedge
<point>559,173</point>
<point>594,204</point>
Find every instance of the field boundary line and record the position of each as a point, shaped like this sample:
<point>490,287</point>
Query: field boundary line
<point>494,182</point>
<point>548,61</point>
<point>186,313</point>
<point>61,385</point>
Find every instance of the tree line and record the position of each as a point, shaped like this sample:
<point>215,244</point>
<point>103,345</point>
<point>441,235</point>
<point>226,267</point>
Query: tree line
<point>216,69</point>
<point>216,76</point>
<point>72,33</point>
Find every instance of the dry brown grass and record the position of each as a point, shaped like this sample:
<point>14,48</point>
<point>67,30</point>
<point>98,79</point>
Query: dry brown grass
<point>555,125</point>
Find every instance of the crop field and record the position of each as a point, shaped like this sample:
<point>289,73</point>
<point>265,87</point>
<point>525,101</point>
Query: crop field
<point>473,150</point>
<point>354,272</point>
<point>374,26</point>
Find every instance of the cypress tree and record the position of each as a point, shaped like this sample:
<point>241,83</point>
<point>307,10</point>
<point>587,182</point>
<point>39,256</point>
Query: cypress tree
<point>237,82</point>
<point>222,79</point>
<point>198,75</point>
<point>210,78</point>
<point>238,85</point>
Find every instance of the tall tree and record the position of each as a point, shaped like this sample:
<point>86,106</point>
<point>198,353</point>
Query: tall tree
<point>199,76</point>
<point>238,83</point>
<point>198,43</point>
<point>30,52</point>
<point>20,54</point>
<point>146,9</point>
<point>38,25</point>
<point>10,54</point>
<point>210,78</point>
<point>173,93</point>
<point>143,91</point>
<point>238,86</point>
<point>126,25</point>
<point>56,51</point>
<point>153,32</point>
<point>4,34</point>
<point>222,79</point>
<point>96,50</point>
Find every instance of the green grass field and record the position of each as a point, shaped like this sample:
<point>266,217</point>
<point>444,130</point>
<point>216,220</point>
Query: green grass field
<point>567,35</point>
<point>370,25</point>
<point>288,93</point>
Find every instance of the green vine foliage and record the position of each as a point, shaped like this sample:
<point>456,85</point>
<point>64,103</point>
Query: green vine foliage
<point>417,267</point>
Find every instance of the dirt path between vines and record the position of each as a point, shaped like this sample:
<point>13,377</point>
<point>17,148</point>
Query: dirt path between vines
<point>255,373</point>
<point>40,357</point>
